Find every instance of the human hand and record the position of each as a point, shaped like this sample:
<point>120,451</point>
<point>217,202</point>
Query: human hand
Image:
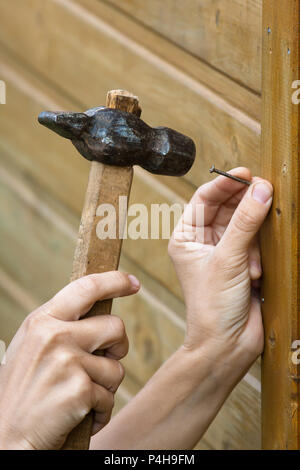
<point>218,262</point>
<point>51,379</point>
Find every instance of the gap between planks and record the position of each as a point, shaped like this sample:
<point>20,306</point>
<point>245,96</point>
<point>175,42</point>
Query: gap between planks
<point>50,215</point>
<point>156,61</point>
<point>45,101</point>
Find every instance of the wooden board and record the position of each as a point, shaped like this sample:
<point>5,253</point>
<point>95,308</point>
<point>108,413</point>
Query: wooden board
<point>224,134</point>
<point>152,318</point>
<point>25,236</point>
<point>226,34</point>
<point>46,164</point>
<point>280,238</point>
<point>11,316</point>
<point>63,60</point>
<point>152,42</point>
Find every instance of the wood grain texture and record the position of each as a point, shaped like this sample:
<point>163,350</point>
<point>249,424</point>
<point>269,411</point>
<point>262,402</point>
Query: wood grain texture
<point>93,254</point>
<point>226,34</point>
<point>153,318</point>
<point>42,71</point>
<point>224,134</point>
<point>12,315</point>
<point>280,236</point>
<point>153,42</point>
<point>50,165</point>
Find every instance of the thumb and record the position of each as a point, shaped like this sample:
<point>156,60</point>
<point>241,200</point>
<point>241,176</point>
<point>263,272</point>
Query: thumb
<point>248,217</point>
<point>76,299</point>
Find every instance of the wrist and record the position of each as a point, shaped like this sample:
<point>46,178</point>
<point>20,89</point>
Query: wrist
<point>225,364</point>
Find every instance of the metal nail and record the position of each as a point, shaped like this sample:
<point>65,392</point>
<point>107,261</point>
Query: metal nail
<point>213,169</point>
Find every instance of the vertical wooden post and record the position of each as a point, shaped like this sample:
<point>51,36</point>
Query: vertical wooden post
<point>280,235</point>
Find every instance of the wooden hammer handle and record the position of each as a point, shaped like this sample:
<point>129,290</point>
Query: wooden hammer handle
<point>94,255</point>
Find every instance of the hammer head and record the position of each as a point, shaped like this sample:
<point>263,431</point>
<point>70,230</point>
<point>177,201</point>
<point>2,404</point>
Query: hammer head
<point>119,138</point>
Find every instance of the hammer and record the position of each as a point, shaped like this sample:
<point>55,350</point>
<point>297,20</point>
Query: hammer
<point>114,138</point>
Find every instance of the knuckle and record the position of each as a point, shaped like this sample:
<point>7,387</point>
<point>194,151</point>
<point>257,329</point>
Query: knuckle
<point>118,376</point>
<point>78,397</point>
<point>84,388</point>
<point>65,359</point>
<point>121,372</point>
<point>118,327</point>
<point>37,327</point>
<point>53,336</point>
<point>44,330</point>
<point>32,321</point>
<point>125,350</point>
<point>88,285</point>
<point>110,400</point>
<point>105,398</point>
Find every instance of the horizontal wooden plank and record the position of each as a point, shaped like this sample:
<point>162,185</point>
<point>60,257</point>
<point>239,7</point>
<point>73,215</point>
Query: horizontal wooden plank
<point>12,314</point>
<point>154,329</point>
<point>237,426</point>
<point>237,417</point>
<point>33,253</point>
<point>242,98</point>
<point>42,165</point>
<point>227,35</point>
<point>127,391</point>
<point>224,135</point>
<point>37,232</point>
<point>46,244</point>
<point>49,164</point>
<point>121,401</point>
<point>50,159</point>
<point>153,338</point>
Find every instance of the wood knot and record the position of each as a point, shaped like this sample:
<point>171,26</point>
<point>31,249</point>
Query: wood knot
<point>272,339</point>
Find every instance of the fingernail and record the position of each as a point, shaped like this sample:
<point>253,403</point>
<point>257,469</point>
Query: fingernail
<point>262,192</point>
<point>134,281</point>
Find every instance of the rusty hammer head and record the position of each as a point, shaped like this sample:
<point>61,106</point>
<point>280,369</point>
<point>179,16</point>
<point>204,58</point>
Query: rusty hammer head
<point>119,138</point>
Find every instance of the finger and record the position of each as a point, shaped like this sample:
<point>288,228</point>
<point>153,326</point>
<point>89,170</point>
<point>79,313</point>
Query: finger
<point>102,399</point>
<point>211,196</point>
<point>101,332</point>
<point>100,420</point>
<point>220,190</point>
<point>227,209</point>
<point>103,371</point>
<point>103,403</point>
<point>255,269</point>
<point>248,218</point>
<point>224,214</point>
<point>77,298</point>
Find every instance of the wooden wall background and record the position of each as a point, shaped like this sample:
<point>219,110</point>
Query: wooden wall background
<point>196,66</point>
